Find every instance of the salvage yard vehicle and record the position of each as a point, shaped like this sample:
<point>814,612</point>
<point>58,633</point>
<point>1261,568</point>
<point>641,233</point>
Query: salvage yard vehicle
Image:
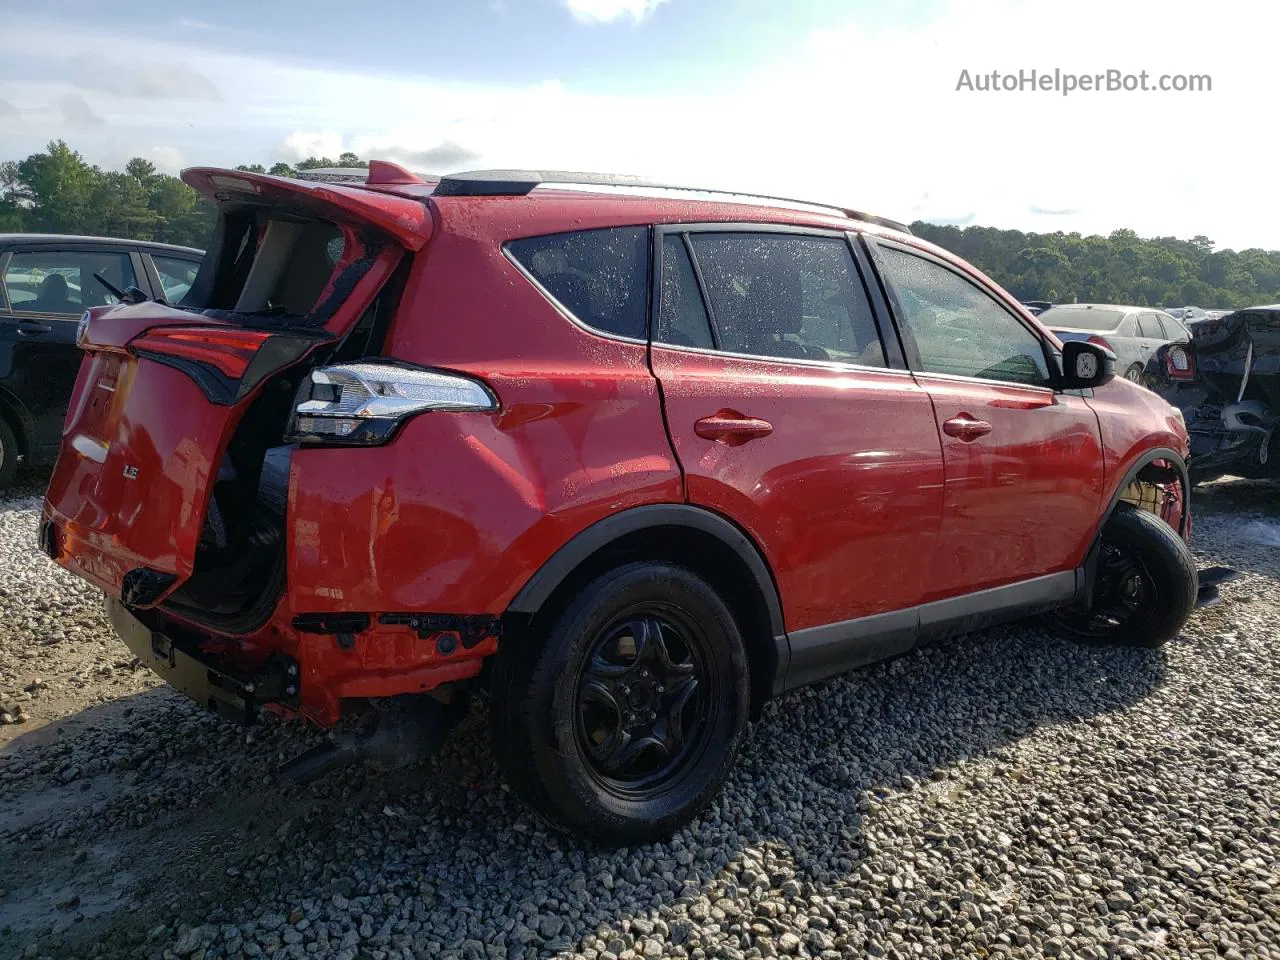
<point>1133,334</point>
<point>46,283</point>
<point>638,458</point>
<point>1227,385</point>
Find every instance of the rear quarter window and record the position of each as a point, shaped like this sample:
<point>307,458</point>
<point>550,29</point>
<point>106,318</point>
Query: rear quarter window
<point>601,277</point>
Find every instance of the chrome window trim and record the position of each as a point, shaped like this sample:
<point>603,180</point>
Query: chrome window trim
<point>986,380</point>
<point>836,365</point>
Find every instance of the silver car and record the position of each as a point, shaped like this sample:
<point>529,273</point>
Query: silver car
<point>1132,333</point>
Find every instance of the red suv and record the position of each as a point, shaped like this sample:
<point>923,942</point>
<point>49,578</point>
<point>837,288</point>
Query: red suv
<point>636,458</point>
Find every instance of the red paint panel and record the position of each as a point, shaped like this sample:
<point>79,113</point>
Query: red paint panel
<point>462,508</point>
<point>141,444</point>
<point>131,484</point>
<point>844,496</point>
<point>1134,421</point>
<point>1022,499</point>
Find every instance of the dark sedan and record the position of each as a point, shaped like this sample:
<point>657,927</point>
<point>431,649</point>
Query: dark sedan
<point>46,283</point>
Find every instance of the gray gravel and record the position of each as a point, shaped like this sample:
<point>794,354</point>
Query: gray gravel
<point>1004,795</point>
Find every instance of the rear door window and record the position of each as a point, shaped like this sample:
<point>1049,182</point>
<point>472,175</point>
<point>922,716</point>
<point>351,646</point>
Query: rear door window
<point>63,282</point>
<point>176,276</point>
<point>1154,326</point>
<point>787,296</point>
<point>601,277</point>
<point>682,315</point>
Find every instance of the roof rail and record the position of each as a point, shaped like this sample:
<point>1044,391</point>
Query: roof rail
<point>519,183</point>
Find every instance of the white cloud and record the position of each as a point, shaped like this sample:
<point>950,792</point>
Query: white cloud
<point>77,112</point>
<point>865,117</point>
<point>144,81</point>
<point>607,11</point>
<point>167,159</point>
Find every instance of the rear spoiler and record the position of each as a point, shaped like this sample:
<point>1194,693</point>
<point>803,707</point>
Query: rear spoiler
<point>405,219</point>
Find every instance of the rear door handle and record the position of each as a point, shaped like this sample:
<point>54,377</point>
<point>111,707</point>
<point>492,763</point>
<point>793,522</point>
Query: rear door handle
<point>29,328</point>
<point>731,428</point>
<point>965,427</point>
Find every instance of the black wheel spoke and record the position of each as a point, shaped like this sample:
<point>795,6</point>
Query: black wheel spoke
<point>640,699</point>
<point>595,691</point>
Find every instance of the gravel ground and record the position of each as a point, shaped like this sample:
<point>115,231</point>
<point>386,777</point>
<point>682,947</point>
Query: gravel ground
<point>1004,795</point>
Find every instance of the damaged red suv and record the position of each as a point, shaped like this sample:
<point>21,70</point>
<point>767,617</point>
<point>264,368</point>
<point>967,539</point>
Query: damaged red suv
<point>636,458</point>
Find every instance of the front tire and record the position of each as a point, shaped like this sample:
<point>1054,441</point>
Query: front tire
<point>618,721</point>
<point>1144,588</point>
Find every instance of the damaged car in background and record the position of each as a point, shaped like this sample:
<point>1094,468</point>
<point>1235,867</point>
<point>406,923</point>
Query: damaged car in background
<point>1226,382</point>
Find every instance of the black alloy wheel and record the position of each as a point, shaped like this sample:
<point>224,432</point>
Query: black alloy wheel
<point>618,716</point>
<point>1144,587</point>
<point>643,698</point>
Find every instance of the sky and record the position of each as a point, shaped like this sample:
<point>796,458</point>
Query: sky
<point>852,103</point>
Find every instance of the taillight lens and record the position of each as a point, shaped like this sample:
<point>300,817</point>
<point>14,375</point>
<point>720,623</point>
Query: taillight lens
<point>227,350</point>
<point>226,362</point>
<point>1178,363</point>
<point>1102,342</point>
<point>364,403</point>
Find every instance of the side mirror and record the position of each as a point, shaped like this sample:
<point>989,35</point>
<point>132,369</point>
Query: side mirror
<point>1086,365</point>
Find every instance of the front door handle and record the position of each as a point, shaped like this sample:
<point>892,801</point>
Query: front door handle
<point>966,428</point>
<point>731,428</point>
<point>29,328</point>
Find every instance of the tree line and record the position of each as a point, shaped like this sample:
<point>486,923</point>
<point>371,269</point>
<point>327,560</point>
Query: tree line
<point>58,191</point>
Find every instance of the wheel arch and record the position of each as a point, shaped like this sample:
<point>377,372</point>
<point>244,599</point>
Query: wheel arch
<point>1134,471</point>
<point>13,414</point>
<point>1085,577</point>
<point>706,543</point>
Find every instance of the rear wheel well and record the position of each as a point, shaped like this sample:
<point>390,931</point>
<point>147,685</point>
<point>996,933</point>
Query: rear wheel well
<point>14,422</point>
<point>701,553</point>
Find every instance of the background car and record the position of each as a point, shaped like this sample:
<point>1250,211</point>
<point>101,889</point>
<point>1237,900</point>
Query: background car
<point>1132,333</point>
<point>46,283</point>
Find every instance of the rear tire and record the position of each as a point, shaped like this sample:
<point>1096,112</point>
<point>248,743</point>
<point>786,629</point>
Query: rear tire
<point>1134,374</point>
<point>619,719</point>
<point>8,454</point>
<point>1145,586</point>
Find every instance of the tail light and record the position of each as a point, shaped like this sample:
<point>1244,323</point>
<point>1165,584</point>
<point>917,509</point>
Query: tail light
<point>227,350</point>
<point>227,362</point>
<point>1102,342</point>
<point>365,403</point>
<point>1178,362</point>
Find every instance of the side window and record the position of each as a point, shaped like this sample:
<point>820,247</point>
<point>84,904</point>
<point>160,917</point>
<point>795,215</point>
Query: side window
<point>176,276</point>
<point>682,314</point>
<point>600,276</point>
<point>957,328</point>
<point>1144,324</point>
<point>1129,326</point>
<point>1155,326</point>
<point>63,282</point>
<point>787,296</point>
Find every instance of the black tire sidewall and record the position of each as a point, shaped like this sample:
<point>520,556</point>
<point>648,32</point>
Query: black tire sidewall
<point>1170,568</point>
<point>9,461</point>
<point>563,787</point>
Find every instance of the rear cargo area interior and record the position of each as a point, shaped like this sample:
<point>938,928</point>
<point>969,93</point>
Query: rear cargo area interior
<point>271,265</point>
